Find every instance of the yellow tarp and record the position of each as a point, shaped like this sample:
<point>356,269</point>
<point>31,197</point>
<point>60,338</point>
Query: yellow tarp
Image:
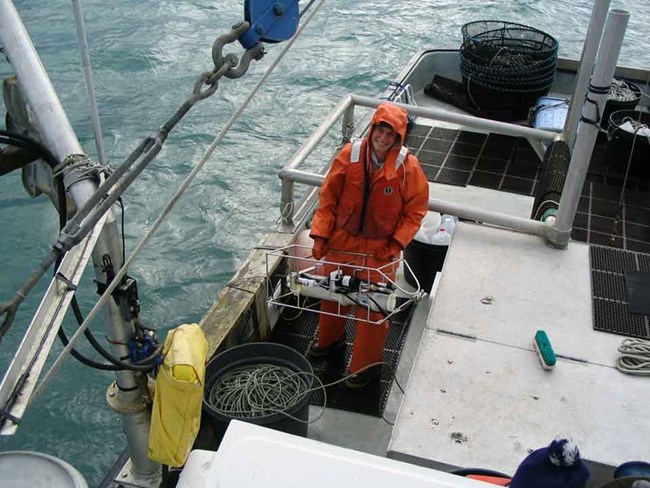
<point>176,411</point>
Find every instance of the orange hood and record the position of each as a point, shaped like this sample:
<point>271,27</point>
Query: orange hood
<point>394,116</point>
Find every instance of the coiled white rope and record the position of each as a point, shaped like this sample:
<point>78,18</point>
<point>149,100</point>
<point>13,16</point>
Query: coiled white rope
<point>620,91</point>
<point>635,357</point>
<point>259,390</point>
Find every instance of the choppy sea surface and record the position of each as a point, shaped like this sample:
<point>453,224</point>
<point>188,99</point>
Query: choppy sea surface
<point>146,56</point>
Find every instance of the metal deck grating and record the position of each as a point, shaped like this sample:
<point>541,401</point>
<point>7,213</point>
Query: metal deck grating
<point>300,330</point>
<point>606,215</point>
<point>609,291</point>
<point>609,213</point>
<point>468,158</point>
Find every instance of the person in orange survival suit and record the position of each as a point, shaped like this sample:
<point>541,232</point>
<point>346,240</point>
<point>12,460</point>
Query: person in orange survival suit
<point>372,202</point>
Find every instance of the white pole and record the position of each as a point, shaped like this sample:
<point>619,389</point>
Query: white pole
<point>88,75</point>
<point>610,47</point>
<point>589,50</point>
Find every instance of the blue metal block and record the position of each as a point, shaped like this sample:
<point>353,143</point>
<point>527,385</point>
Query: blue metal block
<point>270,20</point>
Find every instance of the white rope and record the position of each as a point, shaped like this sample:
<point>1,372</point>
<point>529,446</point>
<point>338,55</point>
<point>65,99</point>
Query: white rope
<point>179,192</point>
<point>85,58</point>
<point>635,357</point>
<point>620,91</point>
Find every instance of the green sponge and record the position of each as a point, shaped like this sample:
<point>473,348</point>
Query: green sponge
<point>544,350</point>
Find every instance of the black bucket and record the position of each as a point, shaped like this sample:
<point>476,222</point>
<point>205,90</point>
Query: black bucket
<point>249,355</point>
<point>425,260</point>
<point>624,147</point>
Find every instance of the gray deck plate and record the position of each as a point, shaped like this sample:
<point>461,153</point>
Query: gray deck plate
<point>491,389</point>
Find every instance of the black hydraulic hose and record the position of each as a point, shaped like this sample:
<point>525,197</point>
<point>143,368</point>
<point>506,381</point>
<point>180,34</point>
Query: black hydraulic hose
<point>143,365</point>
<point>24,142</point>
<point>83,359</point>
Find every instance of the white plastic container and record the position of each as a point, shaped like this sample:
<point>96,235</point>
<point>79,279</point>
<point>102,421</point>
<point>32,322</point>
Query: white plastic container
<point>550,113</point>
<point>428,227</point>
<point>449,223</point>
<point>441,238</point>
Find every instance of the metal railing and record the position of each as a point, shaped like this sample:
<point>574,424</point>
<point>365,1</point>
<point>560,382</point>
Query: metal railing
<point>291,173</point>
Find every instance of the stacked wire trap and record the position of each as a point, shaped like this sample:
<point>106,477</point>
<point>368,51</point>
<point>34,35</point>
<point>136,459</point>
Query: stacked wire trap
<point>506,66</point>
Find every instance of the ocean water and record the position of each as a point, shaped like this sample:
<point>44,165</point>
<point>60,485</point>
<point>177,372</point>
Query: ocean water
<point>146,57</point>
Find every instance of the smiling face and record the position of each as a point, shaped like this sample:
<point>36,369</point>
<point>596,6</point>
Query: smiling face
<point>383,139</point>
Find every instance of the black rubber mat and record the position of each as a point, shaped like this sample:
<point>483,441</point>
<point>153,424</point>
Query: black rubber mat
<point>468,158</point>
<point>613,308</point>
<point>298,330</point>
<point>638,292</point>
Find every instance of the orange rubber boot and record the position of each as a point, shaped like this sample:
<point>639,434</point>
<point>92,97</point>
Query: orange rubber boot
<point>331,328</point>
<point>369,340</point>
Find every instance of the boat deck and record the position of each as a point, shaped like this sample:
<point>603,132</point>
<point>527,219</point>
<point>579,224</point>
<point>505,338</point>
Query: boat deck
<point>475,392</point>
<point>478,396</point>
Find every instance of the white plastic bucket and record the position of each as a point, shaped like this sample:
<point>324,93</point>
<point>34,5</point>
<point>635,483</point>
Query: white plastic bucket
<point>28,469</point>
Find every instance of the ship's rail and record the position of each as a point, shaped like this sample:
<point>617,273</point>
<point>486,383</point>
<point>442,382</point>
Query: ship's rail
<point>291,173</point>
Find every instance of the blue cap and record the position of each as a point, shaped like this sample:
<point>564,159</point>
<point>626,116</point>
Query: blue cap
<point>556,466</point>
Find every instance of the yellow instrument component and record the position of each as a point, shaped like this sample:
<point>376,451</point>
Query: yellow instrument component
<point>176,413</point>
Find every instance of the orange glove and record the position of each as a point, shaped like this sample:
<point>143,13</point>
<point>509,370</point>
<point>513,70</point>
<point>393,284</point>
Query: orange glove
<point>319,248</point>
<point>389,251</point>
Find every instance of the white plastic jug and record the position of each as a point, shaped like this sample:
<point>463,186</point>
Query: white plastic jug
<point>449,223</point>
<point>428,227</point>
<point>441,238</point>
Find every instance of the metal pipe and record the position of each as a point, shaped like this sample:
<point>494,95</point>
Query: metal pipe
<point>465,120</point>
<point>512,222</point>
<point>88,75</point>
<point>347,128</point>
<point>58,136</point>
<point>287,197</point>
<point>589,50</point>
<point>610,47</point>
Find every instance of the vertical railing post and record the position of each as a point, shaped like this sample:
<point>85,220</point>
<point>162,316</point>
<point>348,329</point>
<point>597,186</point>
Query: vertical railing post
<point>589,51</point>
<point>588,128</point>
<point>347,129</point>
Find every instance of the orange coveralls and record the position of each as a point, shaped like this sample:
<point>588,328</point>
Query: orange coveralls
<point>396,200</point>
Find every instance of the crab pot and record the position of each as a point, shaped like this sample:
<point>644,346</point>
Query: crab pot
<point>249,355</point>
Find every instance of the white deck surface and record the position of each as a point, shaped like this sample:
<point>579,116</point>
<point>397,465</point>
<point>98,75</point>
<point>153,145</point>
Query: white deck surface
<point>477,395</point>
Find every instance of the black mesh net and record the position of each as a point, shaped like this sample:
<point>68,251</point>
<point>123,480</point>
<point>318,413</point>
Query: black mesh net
<point>506,65</point>
<point>484,39</point>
